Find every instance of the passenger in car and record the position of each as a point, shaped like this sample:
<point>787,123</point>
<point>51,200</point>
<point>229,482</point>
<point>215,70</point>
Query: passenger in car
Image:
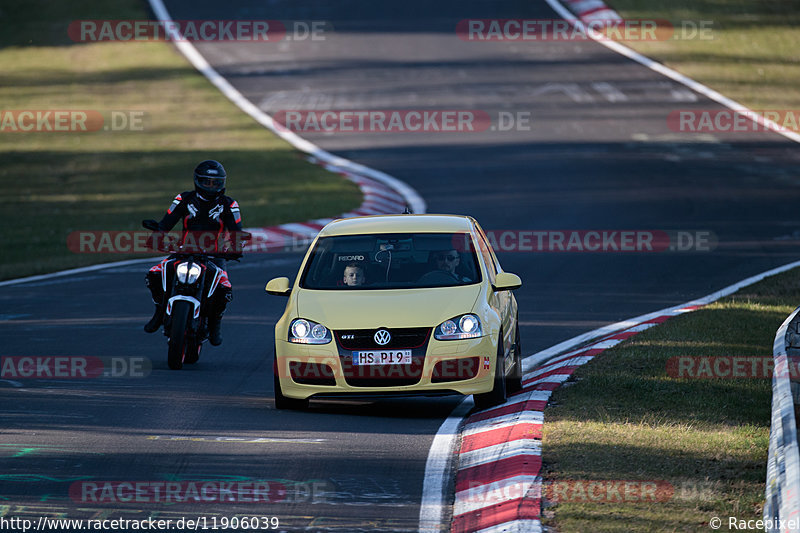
<point>354,275</point>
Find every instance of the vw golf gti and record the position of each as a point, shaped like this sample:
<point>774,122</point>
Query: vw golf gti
<point>398,305</point>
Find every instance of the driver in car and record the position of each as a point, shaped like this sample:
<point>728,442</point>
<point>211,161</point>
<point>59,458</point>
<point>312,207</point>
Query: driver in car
<point>448,261</point>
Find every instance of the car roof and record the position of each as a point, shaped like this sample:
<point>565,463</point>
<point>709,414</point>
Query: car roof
<point>399,224</point>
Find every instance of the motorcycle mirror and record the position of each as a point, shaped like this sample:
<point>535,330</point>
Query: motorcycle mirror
<point>150,224</point>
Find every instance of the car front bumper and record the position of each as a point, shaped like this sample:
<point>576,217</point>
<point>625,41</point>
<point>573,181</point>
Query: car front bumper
<point>459,366</point>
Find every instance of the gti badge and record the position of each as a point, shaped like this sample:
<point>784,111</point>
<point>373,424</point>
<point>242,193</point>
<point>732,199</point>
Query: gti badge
<point>382,337</point>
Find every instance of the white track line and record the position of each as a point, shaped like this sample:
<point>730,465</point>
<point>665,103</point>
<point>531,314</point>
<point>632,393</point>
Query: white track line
<point>431,509</point>
<point>319,156</point>
<point>542,356</point>
<point>190,52</point>
<point>538,358</point>
<point>80,270</point>
<point>673,75</point>
<point>437,466</point>
<point>436,470</point>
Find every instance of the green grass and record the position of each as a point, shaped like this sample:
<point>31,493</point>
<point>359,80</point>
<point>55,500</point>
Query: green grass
<point>754,56</point>
<point>624,418</point>
<point>59,182</point>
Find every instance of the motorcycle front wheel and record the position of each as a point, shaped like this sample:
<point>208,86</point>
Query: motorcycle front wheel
<point>193,347</point>
<point>178,338</point>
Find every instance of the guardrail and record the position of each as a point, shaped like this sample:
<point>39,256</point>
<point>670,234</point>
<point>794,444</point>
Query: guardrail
<point>782,507</point>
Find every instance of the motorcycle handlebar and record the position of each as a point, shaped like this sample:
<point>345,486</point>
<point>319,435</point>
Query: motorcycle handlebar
<point>150,224</point>
<point>199,242</point>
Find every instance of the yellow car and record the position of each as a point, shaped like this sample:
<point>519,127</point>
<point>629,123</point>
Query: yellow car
<point>398,305</point>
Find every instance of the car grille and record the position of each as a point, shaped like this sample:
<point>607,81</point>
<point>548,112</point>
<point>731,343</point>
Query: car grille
<point>363,339</point>
<point>414,339</point>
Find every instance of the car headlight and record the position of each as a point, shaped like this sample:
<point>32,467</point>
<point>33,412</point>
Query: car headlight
<point>461,327</point>
<point>302,331</point>
<point>187,273</point>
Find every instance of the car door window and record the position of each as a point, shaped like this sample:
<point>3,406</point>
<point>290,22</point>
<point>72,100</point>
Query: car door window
<point>497,266</point>
<point>486,252</point>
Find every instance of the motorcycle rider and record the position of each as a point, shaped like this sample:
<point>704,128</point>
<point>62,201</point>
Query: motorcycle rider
<point>205,209</point>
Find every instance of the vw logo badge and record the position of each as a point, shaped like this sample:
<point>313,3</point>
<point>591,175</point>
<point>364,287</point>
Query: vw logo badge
<point>382,337</point>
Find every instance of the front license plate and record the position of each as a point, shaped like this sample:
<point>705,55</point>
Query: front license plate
<point>382,357</point>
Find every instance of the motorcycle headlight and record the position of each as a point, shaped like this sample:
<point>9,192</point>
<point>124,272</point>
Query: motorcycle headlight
<point>188,273</point>
<point>461,327</point>
<point>302,331</point>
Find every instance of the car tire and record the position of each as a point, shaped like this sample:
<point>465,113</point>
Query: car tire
<point>514,383</point>
<point>497,395</point>
<point>281,401</point>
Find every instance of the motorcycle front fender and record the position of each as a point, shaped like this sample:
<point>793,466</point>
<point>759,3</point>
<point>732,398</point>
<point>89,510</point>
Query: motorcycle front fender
<point>191,299</point>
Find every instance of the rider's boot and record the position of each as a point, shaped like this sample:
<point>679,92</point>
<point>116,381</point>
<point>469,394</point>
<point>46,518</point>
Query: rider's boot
<point>151,280</point>
<point>156,321</point>
<point>214,326</point>
<point>221,299</point>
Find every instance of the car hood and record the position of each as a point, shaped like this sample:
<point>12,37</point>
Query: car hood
<point>366,309</point>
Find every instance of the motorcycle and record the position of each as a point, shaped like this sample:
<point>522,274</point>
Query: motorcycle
<point>189,279</point>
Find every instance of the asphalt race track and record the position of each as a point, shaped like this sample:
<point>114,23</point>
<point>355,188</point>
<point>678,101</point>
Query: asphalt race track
<point>598,156</point>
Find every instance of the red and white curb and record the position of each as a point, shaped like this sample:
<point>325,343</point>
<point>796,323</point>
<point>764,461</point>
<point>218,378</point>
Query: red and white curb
<point>783,466</point>
<point>379,199</point>
<point>590,11</point>
<point>498,485</point>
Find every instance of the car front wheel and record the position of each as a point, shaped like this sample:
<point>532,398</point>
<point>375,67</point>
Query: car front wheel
<point>515,378</point>
<point>497,395</point>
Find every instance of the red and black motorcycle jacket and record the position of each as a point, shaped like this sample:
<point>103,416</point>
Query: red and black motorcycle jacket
<point>204,223</point>
<point>200,216</point>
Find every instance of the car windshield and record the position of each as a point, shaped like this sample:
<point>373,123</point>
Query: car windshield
<point>392,261</point>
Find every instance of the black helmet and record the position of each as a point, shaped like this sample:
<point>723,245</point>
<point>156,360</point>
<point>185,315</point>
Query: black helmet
<point>209,179</point>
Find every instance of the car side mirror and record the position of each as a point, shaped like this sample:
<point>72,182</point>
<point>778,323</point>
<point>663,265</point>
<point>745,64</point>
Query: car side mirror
<point>506,281</point>
<point>278,287</point>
